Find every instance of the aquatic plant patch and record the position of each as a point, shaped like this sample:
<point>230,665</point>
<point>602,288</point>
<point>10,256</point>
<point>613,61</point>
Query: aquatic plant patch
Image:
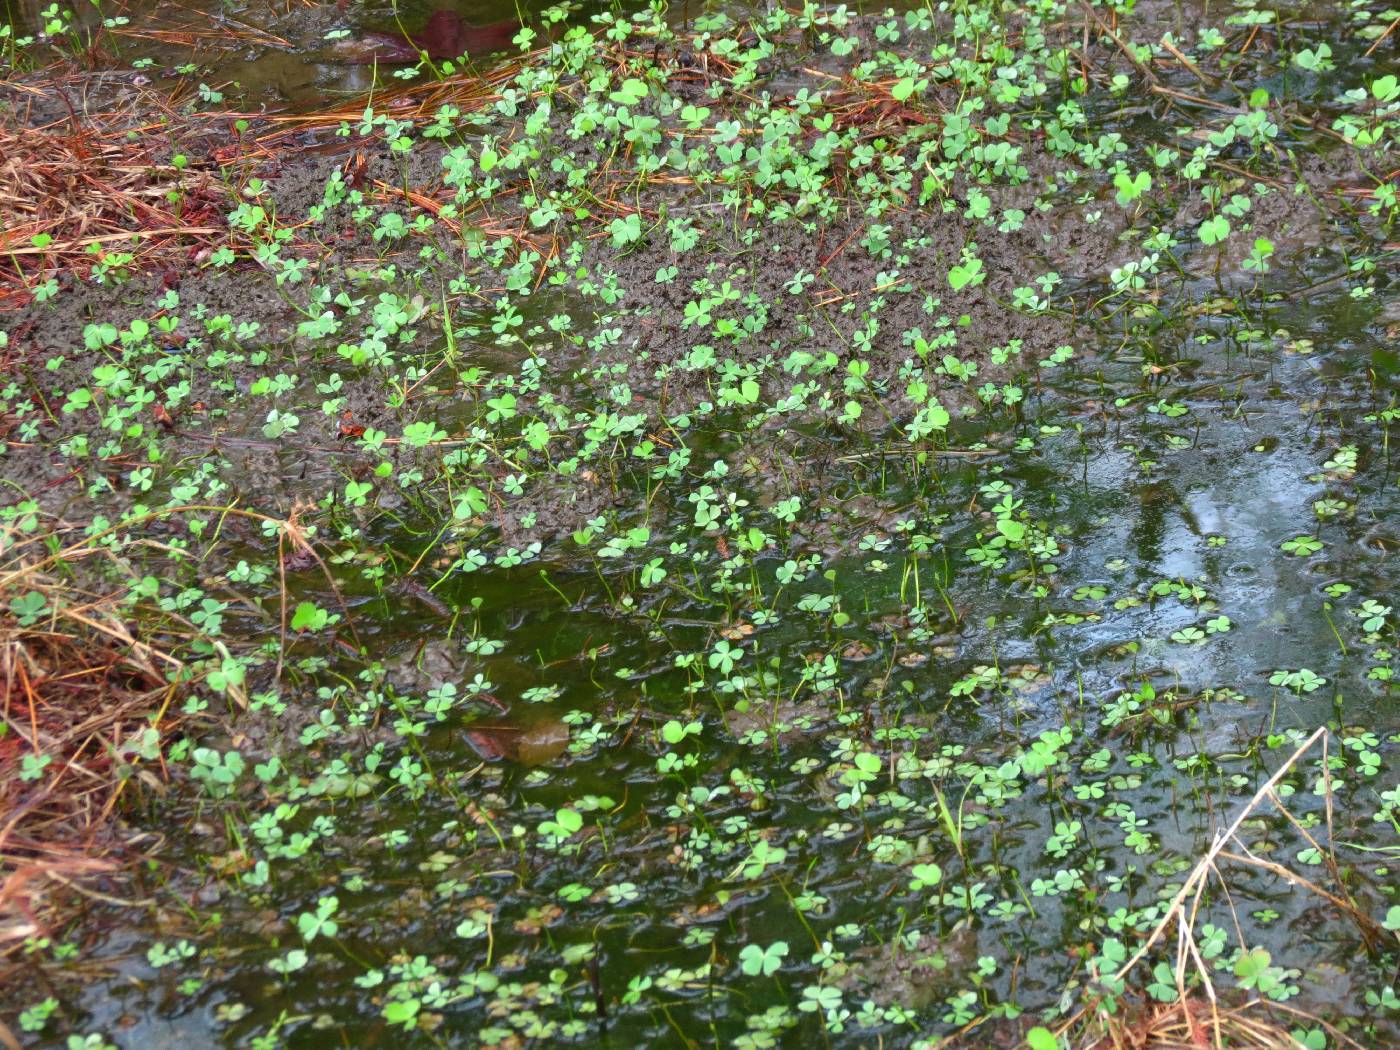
<point>822,528</point>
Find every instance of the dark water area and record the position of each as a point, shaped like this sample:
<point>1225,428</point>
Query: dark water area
<point>717,710</point>
<point>291,55</point>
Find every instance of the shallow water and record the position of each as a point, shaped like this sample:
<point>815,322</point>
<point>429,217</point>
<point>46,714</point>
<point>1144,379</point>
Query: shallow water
<point>1163,472</point>
<point>1212,513</point>
<point>279,55</point>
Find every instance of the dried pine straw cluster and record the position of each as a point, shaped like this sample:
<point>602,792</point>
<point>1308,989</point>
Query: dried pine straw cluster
<point>84,708</point>
<point>1201,1017</point>
<point>1197,1023</point>
<point>87,188</point>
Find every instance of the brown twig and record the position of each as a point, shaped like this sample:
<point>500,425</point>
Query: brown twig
<point>1381,39</point>
<point>1128,52</point>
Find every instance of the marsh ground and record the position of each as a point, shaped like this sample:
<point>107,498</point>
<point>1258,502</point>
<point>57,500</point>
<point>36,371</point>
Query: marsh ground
<point>744,532</point>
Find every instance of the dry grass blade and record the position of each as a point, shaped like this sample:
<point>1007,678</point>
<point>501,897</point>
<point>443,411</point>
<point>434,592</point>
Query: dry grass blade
<point>85,186</point>
<point>1195,883</point>
<point>1197,1019</point>
<point>1194,1023</point>
<point>197,31</point>
<point>84,709</point>
<point>77,714</point>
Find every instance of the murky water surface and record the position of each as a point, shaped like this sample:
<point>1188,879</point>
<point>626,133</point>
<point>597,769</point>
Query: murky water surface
<point>291,54</point>
<point>1170,639</point>
<point>1166,522</point>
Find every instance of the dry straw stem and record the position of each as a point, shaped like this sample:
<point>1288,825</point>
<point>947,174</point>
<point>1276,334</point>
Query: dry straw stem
<point>72,692</point>
<point>90,183</point>
<point>290,535</point>
<point>1195,1024</point>
<point>188,26</point>
<point>1195,1021</point>
<point>80,690</point>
